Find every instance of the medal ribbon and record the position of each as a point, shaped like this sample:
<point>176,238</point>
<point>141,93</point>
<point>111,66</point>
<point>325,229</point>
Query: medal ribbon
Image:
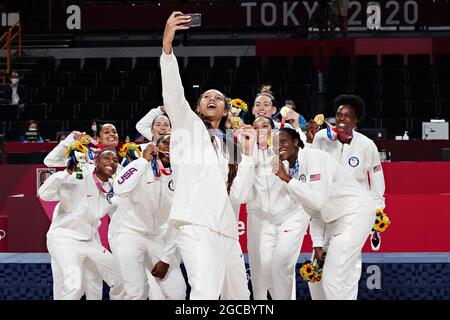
<point>294,169</point>
<point>99,185</point>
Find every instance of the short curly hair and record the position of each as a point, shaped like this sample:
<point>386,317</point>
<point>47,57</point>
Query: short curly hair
<point>353,101</point>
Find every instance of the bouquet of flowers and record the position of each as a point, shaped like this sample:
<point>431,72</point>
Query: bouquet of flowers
<point>79,153</point>
<point>382,221</point>
<point>129,152</point>
<point>311,271</point>
<point>238,109</point>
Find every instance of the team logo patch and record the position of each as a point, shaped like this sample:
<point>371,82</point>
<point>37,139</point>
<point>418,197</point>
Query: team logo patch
<point>302,178</point>
<point>109,196</point>
<point>353,162</point>
<point>170,185</point>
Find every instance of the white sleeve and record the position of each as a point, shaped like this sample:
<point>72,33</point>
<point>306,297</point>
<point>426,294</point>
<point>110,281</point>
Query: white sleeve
<point>57,157</point>
<point>49,191</point>
<point>130,176</point>
<point>170,244</point>
<point>317,231</point>
<point>144,126</point>
<point>318,140</point>
<point>241,189</point>
<point>175,103</point>
<point>302,135</point>
<point>376,176</point>
<point>312,194</point>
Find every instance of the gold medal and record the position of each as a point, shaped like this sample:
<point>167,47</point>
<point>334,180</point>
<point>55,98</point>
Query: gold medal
<point>284,111</point>
<point>319,119</point>
<point>86,139</point>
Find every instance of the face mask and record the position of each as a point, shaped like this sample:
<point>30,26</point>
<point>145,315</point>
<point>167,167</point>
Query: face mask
<point>32,129</point>
<point>15,81</point>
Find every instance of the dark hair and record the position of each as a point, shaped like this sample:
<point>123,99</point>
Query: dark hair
<point>106,150</point>
<point>32,121</point>
<point>161,138</point>
<point>165,115</point>
<point>100,127</point>
<point>294,135</point>
<point>353,101</point>
<point>231,148</point>
<point>272,124</point>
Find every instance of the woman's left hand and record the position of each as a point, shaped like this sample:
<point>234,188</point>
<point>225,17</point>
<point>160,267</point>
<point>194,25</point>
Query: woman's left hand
<point>292,117</point>
<point>282,174</point>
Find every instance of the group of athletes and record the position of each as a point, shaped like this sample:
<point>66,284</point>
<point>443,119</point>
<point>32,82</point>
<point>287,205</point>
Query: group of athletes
<point>179,200</point>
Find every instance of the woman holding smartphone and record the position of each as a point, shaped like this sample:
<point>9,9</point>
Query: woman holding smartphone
<point>203,173</point>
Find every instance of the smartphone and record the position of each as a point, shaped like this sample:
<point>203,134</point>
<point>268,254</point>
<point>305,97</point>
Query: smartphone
<point>196,19</point>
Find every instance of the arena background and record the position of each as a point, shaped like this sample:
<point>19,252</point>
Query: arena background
<point>101,58</point>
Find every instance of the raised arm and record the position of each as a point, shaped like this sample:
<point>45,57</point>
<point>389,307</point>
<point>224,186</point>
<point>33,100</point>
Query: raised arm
<point>144,126</point>
<point>241,189</point>
<point>49,191</point>
<point>56,157</point>
<point>173,93</point>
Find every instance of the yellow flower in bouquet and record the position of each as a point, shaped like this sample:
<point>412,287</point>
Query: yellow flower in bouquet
<point>311,271</point>
<point>128,148</point>
<point>238,108</point>
<point>237,105</point>
<point>236,122</point>
<point>382,221</point>
<point>307,269</point>
<point>76,146</point>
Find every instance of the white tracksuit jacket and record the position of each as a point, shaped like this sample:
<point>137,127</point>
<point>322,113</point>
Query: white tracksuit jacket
<point>283,226</point>
<point>93,281</point>
<point>331,195</point>
<point>360,158</point>
<point>139,232</point>
<point>73,233</point>
<point>201,207</point>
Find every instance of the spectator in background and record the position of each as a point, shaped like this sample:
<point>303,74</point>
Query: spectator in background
<point>340,10</point>
<point>61,136</point>
<point>31,133</point>
<point>16,93</point>
<point>94,128</point>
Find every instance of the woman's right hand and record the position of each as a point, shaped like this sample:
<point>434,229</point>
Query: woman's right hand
<point>175,22</point>
<point>318,255</point>
<point>149,152</point>
<point>71,167</point>
<point>77,135</point>
<point>248,139</point>
<point>311,129</point>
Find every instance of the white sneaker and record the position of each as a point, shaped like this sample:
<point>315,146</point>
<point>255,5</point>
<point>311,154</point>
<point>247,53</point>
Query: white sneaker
<point>375,241</point>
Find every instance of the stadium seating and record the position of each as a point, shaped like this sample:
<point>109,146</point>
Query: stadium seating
<point>72,89</point>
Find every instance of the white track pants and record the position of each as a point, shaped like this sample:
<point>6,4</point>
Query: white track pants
<point>279,251</point>
<point>93,282</point>
<point>259,285</point>
<point>214,264</point>
<point>68,259</point>
<point>137,256</point>
<point>344,240</point>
